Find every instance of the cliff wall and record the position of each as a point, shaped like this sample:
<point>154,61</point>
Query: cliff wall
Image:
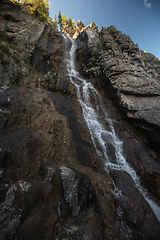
<point>52,183</point>
<point>132,75</point>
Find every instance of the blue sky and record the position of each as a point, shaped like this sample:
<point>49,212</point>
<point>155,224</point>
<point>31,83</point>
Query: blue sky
<point>140,19</point>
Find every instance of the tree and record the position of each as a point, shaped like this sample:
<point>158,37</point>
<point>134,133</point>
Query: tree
<point>55,22</point>
<point>60,20</point>
<point>71,22</point>
<point>40,9</point>
<point>64,18</point>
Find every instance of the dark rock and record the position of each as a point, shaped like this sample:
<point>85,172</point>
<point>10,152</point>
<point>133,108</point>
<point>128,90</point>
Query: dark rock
<point>6,5</point>
<point>134,220</point>
<point>144,164</point>
<point>78,192</point>
<point>87,57</point>
<point>48,53</point>
<point>21,34</point>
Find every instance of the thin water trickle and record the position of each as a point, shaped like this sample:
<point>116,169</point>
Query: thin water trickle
<point>39,85</point>
<point>100,125</point>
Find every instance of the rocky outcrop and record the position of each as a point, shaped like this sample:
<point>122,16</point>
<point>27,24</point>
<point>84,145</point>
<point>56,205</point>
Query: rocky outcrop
<point>75,31</point>
<point>130,78</point>
<point>19,33</point>
<point>131,75</point>
<point>52,183</point>
<point>6,5</point>
<point>68,29</point>
<point>48,51</point>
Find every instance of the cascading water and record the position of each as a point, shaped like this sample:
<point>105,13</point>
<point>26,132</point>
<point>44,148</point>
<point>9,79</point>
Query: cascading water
<point>100,125</point>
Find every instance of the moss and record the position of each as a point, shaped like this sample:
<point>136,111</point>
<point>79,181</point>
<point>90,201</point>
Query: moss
<point>150,67</point>
<point>4,37</point>
<point>33,73</point>
<point>25,60</point>
<point>16,48</point>
<point>1,56</point>
<point>16,58</point>
<point>4,62</point>
<point>20,73</point>
<point>5,49</point>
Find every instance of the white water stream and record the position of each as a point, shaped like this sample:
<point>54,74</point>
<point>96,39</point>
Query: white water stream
<point>100,125</point>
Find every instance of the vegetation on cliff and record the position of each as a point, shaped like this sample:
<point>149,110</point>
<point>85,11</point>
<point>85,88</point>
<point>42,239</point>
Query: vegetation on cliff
<point>7,46</point>
<point>63,20</point>
<point>38,8</point>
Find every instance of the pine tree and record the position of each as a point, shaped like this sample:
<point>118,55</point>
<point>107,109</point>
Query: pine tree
<point>70,21</point>
<point>64,18</point>
<point>73,23</point>
<point>55,22</point>
<point>60,20</point>
<point>40,9</point>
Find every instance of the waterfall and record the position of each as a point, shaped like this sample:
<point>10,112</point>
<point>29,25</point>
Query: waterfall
<point>100,125</point>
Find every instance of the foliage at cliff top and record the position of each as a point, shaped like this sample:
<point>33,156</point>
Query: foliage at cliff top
<point>63,20</point>
<point>38,8</point>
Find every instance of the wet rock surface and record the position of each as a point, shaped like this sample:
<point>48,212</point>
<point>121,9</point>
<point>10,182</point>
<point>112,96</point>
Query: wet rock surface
<point>48,53</point>
<point>52,184</point>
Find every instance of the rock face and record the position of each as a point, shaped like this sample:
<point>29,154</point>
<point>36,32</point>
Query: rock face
<point>22,32</point>
<point>52,183</point>
<point>133,76</point>
<point>75,31</point>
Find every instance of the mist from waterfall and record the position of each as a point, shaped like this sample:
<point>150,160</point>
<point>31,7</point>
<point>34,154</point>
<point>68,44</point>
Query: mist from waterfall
<point>100,125</point>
